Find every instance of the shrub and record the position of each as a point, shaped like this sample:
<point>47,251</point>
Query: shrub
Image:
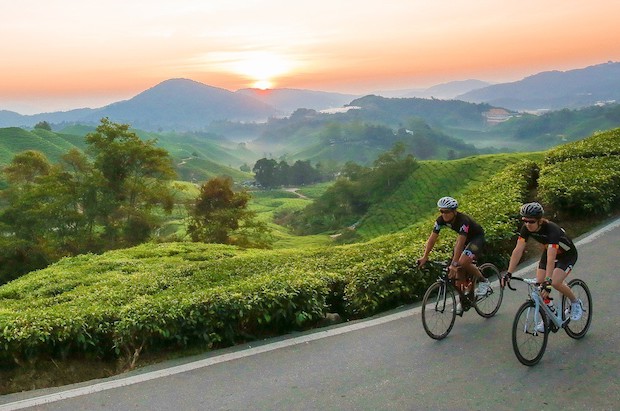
<point>582,186</point>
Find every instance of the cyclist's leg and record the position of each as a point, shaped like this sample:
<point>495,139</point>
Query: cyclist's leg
<point>563,267</point>
<point>469,255</point>
<point>542,266</point>
<point>557,281</point>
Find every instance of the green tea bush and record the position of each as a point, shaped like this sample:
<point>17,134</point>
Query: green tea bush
<point>582,186</point>
<point>602,144</point>
<point>583,177</point>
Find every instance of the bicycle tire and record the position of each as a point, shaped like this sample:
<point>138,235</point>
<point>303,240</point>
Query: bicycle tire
<point>528,344</point>
<point>488,305</point>
<point>578,329</point>
<point>438,310</point>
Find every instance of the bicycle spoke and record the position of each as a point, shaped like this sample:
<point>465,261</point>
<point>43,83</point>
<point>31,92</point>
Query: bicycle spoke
<point>438,310</point>
<point>577,329</point>
<point>528,343</point>
<point>488,305</point>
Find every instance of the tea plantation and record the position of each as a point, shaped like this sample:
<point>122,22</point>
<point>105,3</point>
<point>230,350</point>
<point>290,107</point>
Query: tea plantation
<point>173,295</point>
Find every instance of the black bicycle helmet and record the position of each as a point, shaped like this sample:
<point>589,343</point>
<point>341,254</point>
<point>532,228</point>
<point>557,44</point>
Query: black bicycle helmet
<point>447,202</point>
<point>533,210</point>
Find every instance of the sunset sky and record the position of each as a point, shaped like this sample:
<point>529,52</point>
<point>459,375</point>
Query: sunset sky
<point>65,54</point>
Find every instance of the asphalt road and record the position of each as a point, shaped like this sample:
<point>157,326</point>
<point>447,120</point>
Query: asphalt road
<point>387,363</point>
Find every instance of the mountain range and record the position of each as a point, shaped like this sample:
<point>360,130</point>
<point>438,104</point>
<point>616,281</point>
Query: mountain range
<point>187,105</point>
<point>554,90</point>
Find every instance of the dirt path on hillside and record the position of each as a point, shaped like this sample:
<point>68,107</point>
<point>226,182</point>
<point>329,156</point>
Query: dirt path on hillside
<point>294,190</point>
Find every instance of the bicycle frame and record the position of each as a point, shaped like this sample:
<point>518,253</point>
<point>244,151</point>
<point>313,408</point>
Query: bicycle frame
<point>447,281</point>
<point>534,294</point>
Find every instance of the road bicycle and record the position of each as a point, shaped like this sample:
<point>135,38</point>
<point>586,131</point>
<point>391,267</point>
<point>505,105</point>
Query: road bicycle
<point>535,319</point>
<point>440,300</point>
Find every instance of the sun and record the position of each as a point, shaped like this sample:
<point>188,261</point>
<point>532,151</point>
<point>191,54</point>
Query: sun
<point>263,84</point>
<point>261,67</point>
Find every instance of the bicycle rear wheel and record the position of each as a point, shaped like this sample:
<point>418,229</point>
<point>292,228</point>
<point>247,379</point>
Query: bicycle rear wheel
<point>577,329</point>
<point>528,344</point>
<point>487,305</point>
<point>438,310</point>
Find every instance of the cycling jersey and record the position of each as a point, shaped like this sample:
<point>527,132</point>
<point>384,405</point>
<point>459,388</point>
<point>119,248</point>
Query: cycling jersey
<point>462,224</point>
<point>550,234</point>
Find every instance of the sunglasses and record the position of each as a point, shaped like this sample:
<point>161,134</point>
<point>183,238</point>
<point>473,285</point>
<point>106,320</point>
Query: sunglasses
<point>445,211</point>
<point>530,221</point>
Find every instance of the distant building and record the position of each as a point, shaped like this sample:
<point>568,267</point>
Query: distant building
<point>497,115</point>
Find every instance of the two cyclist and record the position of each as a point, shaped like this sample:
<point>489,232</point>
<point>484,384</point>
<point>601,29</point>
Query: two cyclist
<point>557,259</point>
<point>469,242</point>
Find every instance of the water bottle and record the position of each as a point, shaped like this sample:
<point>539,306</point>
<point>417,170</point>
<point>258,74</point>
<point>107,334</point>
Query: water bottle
<point>549,303</point>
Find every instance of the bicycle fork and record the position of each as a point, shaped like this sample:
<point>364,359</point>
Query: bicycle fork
<point>440,304</point>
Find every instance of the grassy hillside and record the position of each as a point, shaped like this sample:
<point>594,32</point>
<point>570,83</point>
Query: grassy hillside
<point>14,140</point>
<point>417,195</point>
<point>196,159</point>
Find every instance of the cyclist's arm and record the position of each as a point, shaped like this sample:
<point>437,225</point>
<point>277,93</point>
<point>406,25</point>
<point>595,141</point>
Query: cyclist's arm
<point>516,255</point>
<point>430,243</point>
<point>459,246</point>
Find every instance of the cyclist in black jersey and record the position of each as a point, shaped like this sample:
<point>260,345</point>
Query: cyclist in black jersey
<point>558,257</point>
<point>468,244</point>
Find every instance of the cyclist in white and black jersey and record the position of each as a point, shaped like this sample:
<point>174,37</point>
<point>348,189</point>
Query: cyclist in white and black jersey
<point>558,257</point>
<point>469,243</point>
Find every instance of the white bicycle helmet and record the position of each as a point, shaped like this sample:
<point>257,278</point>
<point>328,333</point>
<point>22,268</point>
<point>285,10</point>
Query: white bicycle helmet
<point>447,202</point>
<point>533,210</point>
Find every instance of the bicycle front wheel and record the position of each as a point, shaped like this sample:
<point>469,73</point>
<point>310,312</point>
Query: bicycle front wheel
<point>488,304</point>
<point>577,329</point>
<point>438,310</point>
<point>528,343</point>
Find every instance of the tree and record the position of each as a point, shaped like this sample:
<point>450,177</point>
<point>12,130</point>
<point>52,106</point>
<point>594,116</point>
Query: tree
<point>219,215</point>
<point>79,205</point>
<point>265,172</point>
<point>133,178</point>
<point>302,173</point>
<point>282,173</point>
<point>390,168</point>
<point>26,167</point>
<point>44,125</point>
<point>41,221</point>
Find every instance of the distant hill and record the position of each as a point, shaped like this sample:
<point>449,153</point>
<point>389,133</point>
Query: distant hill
<point>288,100</point>
<point>181,104</point>
<point>197,157</point>
<point>439,113</point>
<point>12,119</point>
<point>444,91</point>
<point>372,127</point>
<point>177,104</point>
<point>14,140</point>
<point>553,90</point>
<point>450,90</point>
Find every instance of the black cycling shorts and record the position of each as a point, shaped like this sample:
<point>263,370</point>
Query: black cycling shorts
<point>475,245</point>
<point>562,261</point>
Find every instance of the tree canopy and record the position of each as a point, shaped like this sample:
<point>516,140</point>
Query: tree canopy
<point>220,215</point>
<point>83,204</point>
